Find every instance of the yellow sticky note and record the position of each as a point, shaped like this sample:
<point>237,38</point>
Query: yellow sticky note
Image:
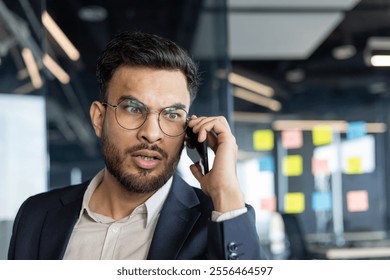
<point>354,166</point>
<point>322,135</point>
<point>292,165</point>
<point>294,203</point>
<point>263,140</point>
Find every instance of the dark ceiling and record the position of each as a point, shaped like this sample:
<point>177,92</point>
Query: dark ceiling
<point>90,30</point>
<point>319,81</point>
<point>322,82</point>
<point>315,85</point>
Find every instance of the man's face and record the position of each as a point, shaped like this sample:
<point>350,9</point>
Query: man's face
<point>142,160</point>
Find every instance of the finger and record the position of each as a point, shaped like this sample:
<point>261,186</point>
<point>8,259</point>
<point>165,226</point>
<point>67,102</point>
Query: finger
<point>196,122</point>
<point>196,171</point>
<point>216,124</point>
<point>214,129</point>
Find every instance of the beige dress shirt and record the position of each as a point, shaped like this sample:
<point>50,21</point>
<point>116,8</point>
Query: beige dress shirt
<point>97,237</point>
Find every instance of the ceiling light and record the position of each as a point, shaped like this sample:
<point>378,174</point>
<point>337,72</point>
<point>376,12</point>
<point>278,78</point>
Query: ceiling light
<point>295,75</point>
<point>377,51</point>
<point>344,52</point>
<point>380,60</point>
<point>251,85</point>
<point>60,37</point>
<point>32,68</point>
<point>92,13</point>
<point>252,97</point>
<point>55,69</point>
<point>251,117</point>
<point>377,88</point>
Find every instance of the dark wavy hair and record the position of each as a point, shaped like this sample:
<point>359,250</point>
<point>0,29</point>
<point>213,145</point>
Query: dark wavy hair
<point>145,50</point>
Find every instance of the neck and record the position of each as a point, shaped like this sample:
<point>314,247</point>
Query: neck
<point>112,200</point>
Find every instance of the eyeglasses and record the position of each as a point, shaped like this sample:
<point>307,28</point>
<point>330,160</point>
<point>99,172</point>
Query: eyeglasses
<point>132,114</point>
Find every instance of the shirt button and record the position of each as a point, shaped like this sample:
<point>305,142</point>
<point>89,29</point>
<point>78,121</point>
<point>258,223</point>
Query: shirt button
<point>115,229</point>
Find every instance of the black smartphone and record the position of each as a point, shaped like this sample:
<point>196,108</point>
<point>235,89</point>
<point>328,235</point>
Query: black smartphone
<point>201,148</point>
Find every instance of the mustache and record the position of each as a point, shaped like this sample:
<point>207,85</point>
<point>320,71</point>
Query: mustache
<point>145,146</point>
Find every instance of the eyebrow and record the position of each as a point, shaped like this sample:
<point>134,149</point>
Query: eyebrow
<point>176,105</point>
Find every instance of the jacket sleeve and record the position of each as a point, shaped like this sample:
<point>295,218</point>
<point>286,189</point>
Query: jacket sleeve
<point>12,244</point>
<point>235,238</point>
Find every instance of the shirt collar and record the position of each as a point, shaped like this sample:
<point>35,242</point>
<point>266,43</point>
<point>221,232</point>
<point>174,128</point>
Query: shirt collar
<point>153,205</point>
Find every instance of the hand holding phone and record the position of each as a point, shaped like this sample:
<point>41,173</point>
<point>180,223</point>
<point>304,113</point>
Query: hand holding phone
<point>201,148</point>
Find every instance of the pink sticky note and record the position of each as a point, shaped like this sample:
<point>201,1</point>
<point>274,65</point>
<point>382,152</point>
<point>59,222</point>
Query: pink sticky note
<point>319,166</point>
<point>268,204</point>
<point>357,201</point>
<point>292,139</point>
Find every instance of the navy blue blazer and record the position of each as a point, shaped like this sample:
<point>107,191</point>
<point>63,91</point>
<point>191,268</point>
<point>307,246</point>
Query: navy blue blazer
<point>44,224</point>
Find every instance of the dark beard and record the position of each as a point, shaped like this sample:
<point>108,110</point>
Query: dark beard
<point>143,181</point>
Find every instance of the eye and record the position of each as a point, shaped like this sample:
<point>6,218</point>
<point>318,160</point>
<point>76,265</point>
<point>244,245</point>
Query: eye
<point>173,114</point>
<point>132,107</point>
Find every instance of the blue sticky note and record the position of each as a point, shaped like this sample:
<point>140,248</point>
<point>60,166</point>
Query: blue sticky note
<point>266,164</point>
<point>321,201</point>
<point>356,130</point>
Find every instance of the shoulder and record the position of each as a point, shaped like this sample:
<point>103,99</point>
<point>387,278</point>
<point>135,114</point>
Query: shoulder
<point>55,197</point>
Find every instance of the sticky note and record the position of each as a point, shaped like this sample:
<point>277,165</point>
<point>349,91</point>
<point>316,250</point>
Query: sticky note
<point>263,140</point>
<point>322,135</point>
<point>266,164</point>
<point>357,201</point>
<point>292,165</point>
<point>321,201</point>
<point>356,130</point>
<point>358,155</point>
<point>292,139</point>
<point>320,166</point>
<point>268,204</point>
<point>294,202</point>
<point>354,165</point>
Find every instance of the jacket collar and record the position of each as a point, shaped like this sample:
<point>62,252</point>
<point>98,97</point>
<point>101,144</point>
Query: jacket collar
<point>177,218</point>
<point>59,223</point>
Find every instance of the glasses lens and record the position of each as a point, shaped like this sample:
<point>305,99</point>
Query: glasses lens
<point>173,121</point>
<point>131,114</point>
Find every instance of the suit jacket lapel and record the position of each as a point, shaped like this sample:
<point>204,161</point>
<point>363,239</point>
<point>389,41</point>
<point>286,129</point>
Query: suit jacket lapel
<point>59,224</point>
<point>176,220</point>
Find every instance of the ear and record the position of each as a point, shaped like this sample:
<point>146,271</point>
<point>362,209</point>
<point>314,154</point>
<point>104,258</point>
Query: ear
<point>96,113</point>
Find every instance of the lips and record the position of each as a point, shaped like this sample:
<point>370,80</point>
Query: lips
<point>146,159</point>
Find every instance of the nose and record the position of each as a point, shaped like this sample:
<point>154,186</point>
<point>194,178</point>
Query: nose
<point>150,131</point>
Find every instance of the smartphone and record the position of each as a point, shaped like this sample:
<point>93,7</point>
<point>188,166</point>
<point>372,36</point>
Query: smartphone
<point>201,148</point>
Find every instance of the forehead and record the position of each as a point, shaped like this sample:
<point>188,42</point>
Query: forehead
<point>155,88</point>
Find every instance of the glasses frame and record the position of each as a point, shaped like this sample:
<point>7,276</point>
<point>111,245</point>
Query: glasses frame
<point>148,112</point>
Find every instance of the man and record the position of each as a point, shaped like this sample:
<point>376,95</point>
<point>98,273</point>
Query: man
<point>137,207</point>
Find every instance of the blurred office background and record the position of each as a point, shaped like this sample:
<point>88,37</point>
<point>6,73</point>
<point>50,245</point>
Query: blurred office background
<point>304,84</point>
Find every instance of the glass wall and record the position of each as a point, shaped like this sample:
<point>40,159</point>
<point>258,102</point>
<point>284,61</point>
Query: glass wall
<point>47,83</point>
<point>23,135</point>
